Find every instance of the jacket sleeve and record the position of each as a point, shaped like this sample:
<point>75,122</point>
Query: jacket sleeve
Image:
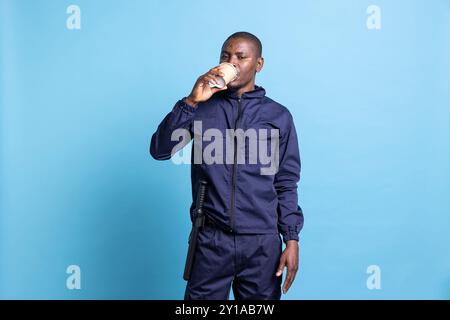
<point>181,117</point>
<point>290,215</point>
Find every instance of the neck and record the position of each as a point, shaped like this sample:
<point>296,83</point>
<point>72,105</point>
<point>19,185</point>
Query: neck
<point>248,87</point>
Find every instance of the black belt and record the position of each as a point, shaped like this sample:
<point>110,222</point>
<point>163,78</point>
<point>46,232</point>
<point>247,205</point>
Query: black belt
<point>211,223</point>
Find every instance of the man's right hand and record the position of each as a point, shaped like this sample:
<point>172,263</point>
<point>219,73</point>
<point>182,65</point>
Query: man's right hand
<point>202,91</point>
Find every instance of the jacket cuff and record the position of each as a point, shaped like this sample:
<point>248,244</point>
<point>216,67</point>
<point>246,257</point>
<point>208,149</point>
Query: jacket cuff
<point>290,234</point>
<point>186,107</point>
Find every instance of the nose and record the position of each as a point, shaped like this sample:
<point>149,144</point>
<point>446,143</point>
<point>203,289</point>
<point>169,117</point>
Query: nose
<point>233,60</point>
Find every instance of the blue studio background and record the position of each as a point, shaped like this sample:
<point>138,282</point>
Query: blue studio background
<point>78,108</point>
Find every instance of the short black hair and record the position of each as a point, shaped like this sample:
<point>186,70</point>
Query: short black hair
<point>247,36</point>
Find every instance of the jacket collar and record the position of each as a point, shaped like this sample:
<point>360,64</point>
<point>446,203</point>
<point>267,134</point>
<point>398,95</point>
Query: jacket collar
<point>258,92</point>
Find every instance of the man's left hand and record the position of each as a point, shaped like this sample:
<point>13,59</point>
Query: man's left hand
<point>289,259</point>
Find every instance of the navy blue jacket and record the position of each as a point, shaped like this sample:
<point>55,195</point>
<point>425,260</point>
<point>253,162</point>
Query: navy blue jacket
<point>239,198</point>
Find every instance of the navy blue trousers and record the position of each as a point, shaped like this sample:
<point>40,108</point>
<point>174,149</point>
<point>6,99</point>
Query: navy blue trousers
<point>245,262</point>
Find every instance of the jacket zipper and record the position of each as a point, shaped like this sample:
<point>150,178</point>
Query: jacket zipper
<point>233,177</point>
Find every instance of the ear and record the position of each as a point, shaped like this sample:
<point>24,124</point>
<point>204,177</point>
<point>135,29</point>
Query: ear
<point>259,64</point>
